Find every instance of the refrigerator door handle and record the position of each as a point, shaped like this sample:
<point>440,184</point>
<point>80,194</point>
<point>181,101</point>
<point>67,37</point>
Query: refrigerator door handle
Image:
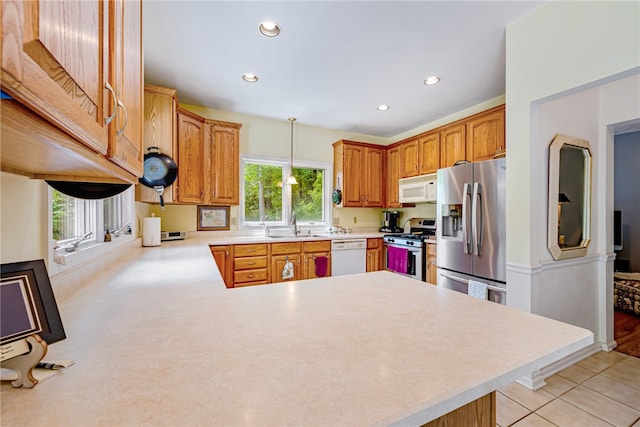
<point>477,229</point>
<point>466,190</point>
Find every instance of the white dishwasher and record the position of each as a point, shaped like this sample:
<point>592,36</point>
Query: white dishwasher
<point>348,256</point>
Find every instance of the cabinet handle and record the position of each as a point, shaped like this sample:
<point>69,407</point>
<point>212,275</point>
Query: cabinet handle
<point>108,120</point>
<point>126,118</point>
<point>213,194</point>
<point>251,250</point>
<point>251,263</point>
<point>250,276</point>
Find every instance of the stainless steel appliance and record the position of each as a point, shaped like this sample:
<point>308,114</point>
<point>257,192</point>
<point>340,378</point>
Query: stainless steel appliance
<point>406,253</point>
<point>471,229</point>
<point>390,222</point>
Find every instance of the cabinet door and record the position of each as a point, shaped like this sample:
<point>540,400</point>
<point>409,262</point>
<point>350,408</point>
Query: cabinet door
<point>223,258</point>
<point>374,254</point>
<point>432,267</point>
<point>409,158</point>
<point>452,145</point>
<point>223,178</point>
<point>54,56</point>
<point>429,153</point>
<point>393,175</point>
<point>277,265</point>
<point>353,180</point>
<point>485,135</point>
<point>310,264</point>
<point>190,160</point>
<point>374,184</point>
<point>160,131</point>
<point>125,135</point>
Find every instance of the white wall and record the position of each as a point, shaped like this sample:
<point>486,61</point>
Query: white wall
<point>23,218</point>
<point>572,67</point>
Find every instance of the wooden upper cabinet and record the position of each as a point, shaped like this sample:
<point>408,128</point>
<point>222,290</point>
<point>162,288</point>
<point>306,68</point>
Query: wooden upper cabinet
<point>353,176</point>
<point>78,66</point>
<point>485,135</point>
<point>208,160</point>
<point>191,157</point>
<point>160,130</point>
<point>452,144</point>
<point>223,177</point>
<point>429,153</point>
<point>54,61</point>
<point>360,167</point>
<point>393,176</point>
<point>125,137</point>
<point>409,158</point>
<point>374,184</point>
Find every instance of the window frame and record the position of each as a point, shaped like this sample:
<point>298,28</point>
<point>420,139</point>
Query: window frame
<point>95,246</point>
<point>287,193</point>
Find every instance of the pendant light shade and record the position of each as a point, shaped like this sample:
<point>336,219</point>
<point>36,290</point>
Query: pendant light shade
<point>292,179</point>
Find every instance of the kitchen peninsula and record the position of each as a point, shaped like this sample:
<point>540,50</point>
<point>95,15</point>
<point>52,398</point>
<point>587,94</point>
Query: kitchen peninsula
<point>160,340</point>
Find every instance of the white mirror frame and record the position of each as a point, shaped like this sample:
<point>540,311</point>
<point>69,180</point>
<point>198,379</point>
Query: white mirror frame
<point>557,251</point>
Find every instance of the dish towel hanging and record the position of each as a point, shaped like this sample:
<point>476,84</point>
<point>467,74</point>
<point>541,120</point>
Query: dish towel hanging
<point>397,259</point>
<point>478,289</point>
<point>287,270</point>
<point>321,266</point>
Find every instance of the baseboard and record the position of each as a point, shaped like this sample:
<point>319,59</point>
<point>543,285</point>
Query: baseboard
<point>535,381</point>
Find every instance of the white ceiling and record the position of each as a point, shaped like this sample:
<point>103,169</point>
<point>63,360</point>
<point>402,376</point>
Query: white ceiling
<point>334,62</point>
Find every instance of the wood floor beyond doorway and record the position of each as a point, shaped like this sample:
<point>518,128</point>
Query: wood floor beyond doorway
<point>626,332</point>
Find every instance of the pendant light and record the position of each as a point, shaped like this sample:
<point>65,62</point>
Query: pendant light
<point>292,179</point>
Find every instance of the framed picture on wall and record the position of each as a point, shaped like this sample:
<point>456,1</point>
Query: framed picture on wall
<point>213,218</point>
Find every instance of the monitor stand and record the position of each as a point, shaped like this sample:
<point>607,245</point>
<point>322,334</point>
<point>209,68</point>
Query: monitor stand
<point>23,364</point>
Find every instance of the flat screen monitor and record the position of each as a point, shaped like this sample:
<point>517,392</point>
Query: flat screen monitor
<point>27,303</point>
<point>617,230</point>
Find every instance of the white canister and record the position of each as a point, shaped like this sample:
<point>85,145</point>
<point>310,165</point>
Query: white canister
<point>151,231</point>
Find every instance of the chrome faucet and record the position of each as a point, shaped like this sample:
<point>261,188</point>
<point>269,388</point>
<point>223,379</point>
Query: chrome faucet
<point>293,221</point>
<point>73,245</point>
<point>121,229</point>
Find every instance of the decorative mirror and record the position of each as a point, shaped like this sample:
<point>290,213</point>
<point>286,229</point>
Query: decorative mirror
<point>569,226</point>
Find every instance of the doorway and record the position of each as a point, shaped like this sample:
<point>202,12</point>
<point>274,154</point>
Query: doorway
<point>626,320</point>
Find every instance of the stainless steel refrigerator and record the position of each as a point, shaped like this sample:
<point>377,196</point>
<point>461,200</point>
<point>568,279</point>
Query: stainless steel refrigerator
<point>471,230</point>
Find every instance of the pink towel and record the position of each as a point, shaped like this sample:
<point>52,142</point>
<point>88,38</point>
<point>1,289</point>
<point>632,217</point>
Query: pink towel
<point>321,266</point>
<point>397,259</point>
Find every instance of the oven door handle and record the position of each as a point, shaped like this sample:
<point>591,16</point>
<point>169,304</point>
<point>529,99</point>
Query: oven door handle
<point>466,282</point>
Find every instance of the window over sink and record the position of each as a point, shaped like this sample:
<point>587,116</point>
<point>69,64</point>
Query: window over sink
<point>267,201</point>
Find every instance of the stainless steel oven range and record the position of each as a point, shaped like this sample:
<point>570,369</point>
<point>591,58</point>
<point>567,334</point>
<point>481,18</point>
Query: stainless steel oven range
<point>406,253</point>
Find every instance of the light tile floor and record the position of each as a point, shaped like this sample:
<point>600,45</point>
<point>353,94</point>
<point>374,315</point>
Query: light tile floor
<point>601,390</point>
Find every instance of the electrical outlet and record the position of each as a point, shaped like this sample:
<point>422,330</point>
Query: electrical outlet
<point>355,219</point>
<point>336,221</point>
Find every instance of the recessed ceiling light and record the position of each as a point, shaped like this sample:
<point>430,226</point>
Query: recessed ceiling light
<point>383,107</point>
<point>269,29</point>
<point>432,80</point>
<point>248,77</point>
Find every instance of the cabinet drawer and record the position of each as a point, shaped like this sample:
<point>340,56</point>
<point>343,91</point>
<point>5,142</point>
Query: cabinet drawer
<point>250,250</point>
<point>250,262</point>
<point>374,243</point>
<point>317,246</point>
<point>244,276</point>
<point>259,282</point>
<point>286,248</point>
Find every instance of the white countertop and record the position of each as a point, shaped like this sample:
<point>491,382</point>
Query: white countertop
<point>161,341</point>
<point>231,239</point>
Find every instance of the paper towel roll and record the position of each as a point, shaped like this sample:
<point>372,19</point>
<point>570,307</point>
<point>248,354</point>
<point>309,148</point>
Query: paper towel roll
<point>151,231</point>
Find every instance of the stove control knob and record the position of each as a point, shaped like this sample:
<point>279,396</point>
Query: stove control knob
<point>410,243</point>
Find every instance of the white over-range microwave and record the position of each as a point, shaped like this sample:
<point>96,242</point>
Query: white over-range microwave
<point>418,189</point>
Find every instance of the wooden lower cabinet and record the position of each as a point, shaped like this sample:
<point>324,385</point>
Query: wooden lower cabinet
<point>313,250</point>
<point>432,268</point>
<point>222,256</point>
<point>262,263</point>
<point>250,266</point>
<point>374,255</point>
